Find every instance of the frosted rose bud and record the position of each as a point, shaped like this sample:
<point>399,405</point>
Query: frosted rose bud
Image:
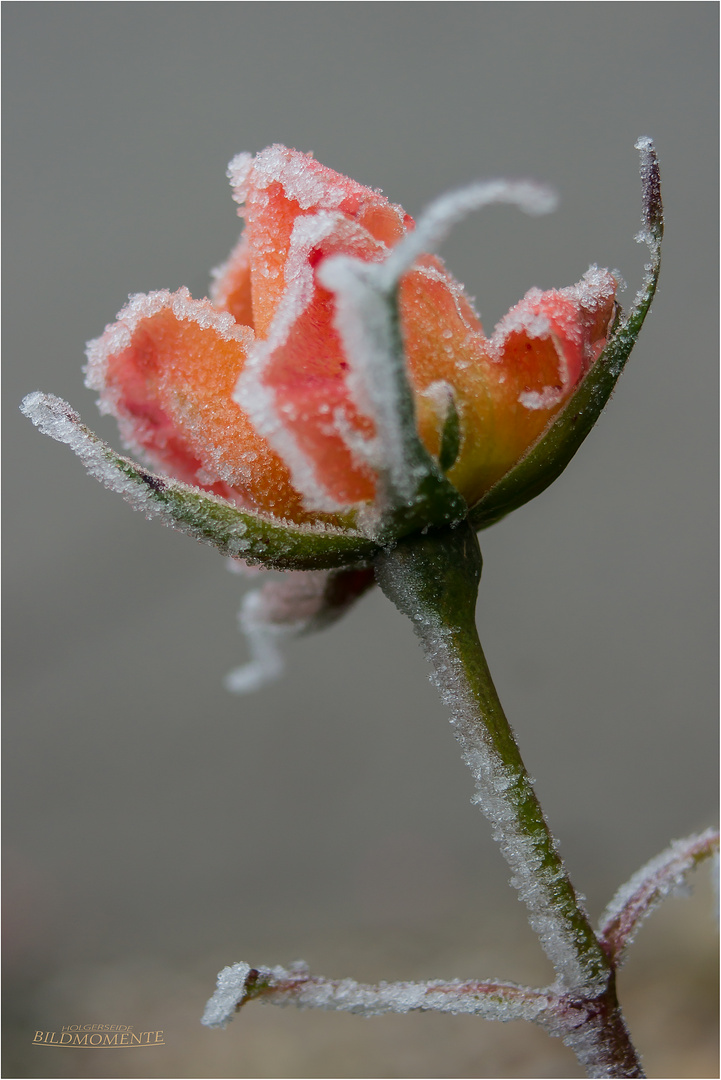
<point>338,391</point>
<point>251,395</point>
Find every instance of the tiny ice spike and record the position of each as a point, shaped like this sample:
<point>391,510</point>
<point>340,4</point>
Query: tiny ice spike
<point>337,391</point>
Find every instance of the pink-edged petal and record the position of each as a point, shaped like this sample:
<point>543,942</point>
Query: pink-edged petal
<point>549,340</point>
<point>542,349</point>
<point>294,385</point>
<point>278,186</point>
<point>167,370</point>
<point>505,390</point>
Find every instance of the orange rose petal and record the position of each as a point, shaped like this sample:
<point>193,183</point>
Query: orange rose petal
<point>304,406</point>
<point>445,343</point>
<point>231,288</point>
<point>297,443</point>
<point>278,186</point>
<point>306,375</point>
<point>505,390</point>
<point>542,348</point>
<point>167,370</point>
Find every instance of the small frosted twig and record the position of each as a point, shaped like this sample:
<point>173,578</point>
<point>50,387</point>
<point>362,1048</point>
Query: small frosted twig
<point>241,983</point>
<point>658,879</point>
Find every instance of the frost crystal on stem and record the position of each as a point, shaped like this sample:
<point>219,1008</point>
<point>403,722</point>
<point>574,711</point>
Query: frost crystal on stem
<point>433,580</point>
<point>642,894</point>
<point>241,983</point>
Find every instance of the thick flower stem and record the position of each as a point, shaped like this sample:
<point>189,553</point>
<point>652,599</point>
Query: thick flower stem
<point>433,579</point>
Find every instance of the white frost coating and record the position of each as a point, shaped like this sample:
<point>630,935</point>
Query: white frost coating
<point>54,417</point>
<point>650,234</point>
<point>292,171</point>
<point>588,294</point>
<point>269,616</point>
<point>364,319</point>
<point>278,986</point>
<point>230,990</point>
<point>499,790</point>
<point>302,179</point>
<point>441,395</point>
<point>661,877</point>
<point>647,152</point>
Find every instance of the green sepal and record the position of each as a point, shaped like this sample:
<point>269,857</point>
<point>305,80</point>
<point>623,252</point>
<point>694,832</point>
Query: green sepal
<point>253,537</point>
<point>547,459</point>
<point>435,502</point>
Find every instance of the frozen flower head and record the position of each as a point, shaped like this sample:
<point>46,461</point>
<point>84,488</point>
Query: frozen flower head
<point>337,390</point>
<point>261,395</point>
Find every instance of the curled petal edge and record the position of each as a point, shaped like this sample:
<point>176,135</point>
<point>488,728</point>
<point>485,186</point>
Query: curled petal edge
<point>548,457</point>
<point>237,533</point>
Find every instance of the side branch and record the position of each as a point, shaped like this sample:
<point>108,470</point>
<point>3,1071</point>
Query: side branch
<point>241,983</point>
<point>635,900</point>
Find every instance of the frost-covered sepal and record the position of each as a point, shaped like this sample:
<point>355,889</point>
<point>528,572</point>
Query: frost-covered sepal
<point>547,459</point>
<point>238,533</point>
<point>298,603</point>
<point>414,492</point>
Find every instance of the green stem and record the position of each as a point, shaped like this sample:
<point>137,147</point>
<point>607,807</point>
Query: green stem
<point>433,579</point>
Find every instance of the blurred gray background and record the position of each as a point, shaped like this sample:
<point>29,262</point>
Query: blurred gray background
<point>158,828</point>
